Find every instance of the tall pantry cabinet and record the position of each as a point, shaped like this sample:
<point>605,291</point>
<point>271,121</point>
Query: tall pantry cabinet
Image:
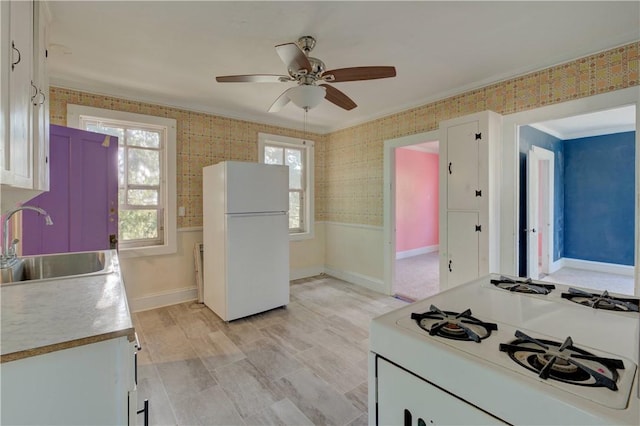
<point>24,90</point>
<point>470,170</point>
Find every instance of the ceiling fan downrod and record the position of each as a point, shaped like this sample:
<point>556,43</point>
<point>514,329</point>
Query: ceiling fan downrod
<point>306,43</point>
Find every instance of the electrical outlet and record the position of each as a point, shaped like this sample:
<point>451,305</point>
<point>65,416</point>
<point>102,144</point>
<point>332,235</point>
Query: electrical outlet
<point>181,211</point>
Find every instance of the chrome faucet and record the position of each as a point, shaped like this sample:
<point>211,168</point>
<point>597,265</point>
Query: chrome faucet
<point>9,250</point>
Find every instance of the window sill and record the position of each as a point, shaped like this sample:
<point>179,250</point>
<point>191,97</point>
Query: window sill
<point>130,252</point>
<point>301,236</point>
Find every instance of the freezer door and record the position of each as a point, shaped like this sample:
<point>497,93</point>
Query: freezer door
<point>257,263</point>
<point>253,187</point>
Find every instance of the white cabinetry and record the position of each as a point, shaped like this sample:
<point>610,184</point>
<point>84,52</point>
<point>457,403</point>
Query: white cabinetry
<point>469,197</point>
<point>40,102</point>
<point>85,385</point>
<point>24,98</point>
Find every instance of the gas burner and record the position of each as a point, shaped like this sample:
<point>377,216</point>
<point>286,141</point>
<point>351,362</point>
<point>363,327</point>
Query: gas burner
<point>522,286</point>
<point>602,301</point>
<point>453,325</point>
<point>559,361</point>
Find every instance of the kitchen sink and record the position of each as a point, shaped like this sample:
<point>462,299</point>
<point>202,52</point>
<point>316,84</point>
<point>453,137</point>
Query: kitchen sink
<point>56,266</point>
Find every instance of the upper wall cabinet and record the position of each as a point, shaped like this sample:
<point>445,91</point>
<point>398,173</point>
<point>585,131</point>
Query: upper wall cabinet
<point>24,98</point>
<point>469,197</point>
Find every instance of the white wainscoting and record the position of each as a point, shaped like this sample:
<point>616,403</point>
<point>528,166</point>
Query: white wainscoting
<point>354,253</point>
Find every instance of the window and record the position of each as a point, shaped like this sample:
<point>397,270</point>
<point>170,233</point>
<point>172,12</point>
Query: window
<point>146,176</point>
<point>298,155</point>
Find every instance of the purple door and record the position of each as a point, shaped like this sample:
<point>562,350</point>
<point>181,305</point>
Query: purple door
<point>83,195</point>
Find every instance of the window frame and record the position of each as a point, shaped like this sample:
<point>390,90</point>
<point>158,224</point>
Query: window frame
<point>167,196</point>
<point>307,147</point>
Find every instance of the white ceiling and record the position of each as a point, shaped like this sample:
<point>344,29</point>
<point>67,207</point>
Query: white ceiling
<point>170,52</point>
<point>594,124</point>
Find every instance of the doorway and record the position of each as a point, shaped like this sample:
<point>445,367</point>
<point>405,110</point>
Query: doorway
<point>411,200</point>
<point>594,210</point>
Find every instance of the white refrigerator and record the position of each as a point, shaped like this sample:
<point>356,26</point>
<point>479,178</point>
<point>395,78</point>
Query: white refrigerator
<point>246,238</point>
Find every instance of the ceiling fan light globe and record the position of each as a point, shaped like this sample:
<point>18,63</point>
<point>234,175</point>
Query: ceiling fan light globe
<point>306,96</point>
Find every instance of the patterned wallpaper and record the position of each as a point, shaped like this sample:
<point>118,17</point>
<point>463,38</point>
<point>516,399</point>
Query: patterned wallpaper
<point>202,140</point>
<point>348,166</point>
<point>354,155</point>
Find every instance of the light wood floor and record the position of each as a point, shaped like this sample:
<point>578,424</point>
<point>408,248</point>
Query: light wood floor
<point>305,364</point>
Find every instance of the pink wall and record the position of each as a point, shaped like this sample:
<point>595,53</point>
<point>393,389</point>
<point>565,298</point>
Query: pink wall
<point>416,199</point>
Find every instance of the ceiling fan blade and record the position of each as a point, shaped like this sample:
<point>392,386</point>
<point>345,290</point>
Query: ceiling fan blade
<point>293,57</point>
<point>335,96</point>
<point>279,103</point>
<point>253,78</point>
<point>359,73</point>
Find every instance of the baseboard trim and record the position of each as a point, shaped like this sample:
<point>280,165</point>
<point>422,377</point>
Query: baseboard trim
<point>173,297</point>
<point>416,252</point>
<point>589,265</point>
<point>556,265</point>
<point>366,281</point>
<point>166,298</point>
<point>296,274</point>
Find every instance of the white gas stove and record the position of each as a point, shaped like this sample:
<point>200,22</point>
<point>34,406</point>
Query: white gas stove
<point>482,354</point>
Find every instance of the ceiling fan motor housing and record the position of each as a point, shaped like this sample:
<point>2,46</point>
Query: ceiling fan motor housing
<point>309,77</point>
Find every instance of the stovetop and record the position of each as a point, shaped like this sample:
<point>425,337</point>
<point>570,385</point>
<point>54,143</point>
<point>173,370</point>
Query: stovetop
<point>593,299</point>
<point>544,317</point>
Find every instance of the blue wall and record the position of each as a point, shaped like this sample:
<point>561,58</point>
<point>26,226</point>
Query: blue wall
<point>532,137</point>
<point>599,198</point>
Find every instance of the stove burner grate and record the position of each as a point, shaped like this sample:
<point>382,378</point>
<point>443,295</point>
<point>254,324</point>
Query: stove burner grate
<point>602,301</point>
<point>563,361</point>
<point>522,286</point>
<point>453,325</point>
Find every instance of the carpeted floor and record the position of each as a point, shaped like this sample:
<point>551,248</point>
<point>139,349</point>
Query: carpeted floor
<point>417,277</point>
<point>599,281</point>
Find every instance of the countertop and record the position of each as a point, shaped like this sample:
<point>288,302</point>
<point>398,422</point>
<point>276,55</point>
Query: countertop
<point>50,315</point>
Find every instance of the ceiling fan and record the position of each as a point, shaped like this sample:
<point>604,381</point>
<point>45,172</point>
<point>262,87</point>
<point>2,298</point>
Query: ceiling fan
<point>308,72</point>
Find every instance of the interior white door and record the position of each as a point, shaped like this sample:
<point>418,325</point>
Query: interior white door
<point>533,196</point>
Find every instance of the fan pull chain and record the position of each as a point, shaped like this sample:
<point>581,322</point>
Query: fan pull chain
<point>306,111</point>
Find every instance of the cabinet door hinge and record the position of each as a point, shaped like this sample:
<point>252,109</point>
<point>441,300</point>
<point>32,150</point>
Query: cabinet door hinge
<point>478,136</point>
<point>479,193</point>
<point>478,228</point>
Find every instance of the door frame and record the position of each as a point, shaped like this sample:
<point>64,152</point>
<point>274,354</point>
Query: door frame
<point>534,173</point>
<point>511,167</point>
<point>389,199</point>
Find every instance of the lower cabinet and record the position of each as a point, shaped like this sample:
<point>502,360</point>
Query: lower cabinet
<point>462,242</point>
<point>85,385</point>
